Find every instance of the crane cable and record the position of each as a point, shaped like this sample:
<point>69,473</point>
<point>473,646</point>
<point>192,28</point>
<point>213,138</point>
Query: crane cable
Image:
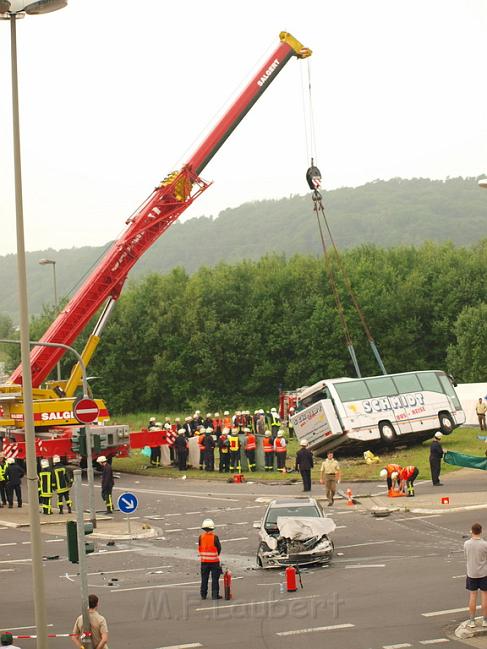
<point>313,177</point>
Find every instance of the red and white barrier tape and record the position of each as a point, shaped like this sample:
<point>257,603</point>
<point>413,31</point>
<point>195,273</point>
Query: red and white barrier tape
<point>51,635</point>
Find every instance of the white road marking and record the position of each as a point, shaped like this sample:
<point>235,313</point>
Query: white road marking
<point>112,572</point>
<point>7,570</point>
<point>5,544</point>
<point>53,540</point>
<point>321,628</point>
<point>187,494</point>
<point>24,628</point>
<point>16,561</point>
<point>458,576</point>
<point>105,553</point>
<point>358,545</point>
<point>232,509</point>
<point>178,514</point>
<point>242,523</point>
<point>198,527</point>
<point>417,518</point>
<point>446,612</point>
<point>340,527</point>
<point>189,513</point>
<point>240,538</point>
<point>397,646</point>
<point>267,601</point>
<point>183,646</point>
<point>183,583</point>
<point>367,565</point>
<point>178,529</point>
<point>247,507</point>
<point>434,641</point>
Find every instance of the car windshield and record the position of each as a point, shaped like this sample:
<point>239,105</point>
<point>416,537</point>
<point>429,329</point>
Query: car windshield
<point>296,512</point>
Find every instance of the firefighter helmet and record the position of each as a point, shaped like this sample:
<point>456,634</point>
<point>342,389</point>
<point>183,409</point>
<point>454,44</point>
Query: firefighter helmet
<point>383,473</point>
<point>56,459</point>
<point>44,464</point>
<point>304,442</point>
<point>102,459</point>
<point>208,524</point>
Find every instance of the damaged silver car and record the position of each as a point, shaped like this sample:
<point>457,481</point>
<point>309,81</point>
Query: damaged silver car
<point>294,532</point>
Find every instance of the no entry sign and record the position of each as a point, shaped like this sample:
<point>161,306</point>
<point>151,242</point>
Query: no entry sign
<point>85,410</point>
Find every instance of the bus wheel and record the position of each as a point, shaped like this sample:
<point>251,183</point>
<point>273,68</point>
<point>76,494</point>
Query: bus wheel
<point>387,432</point>
<point>446,423</point>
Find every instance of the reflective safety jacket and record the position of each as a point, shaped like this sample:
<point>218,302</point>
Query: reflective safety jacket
<point>62,482</point>
<point>227,422</point>
<point>209,548</point>
<point>3,468</point>
<point>407,472</point>
<point>390,468</point>
<point>45,483</point>
<point>234,442</point>
<point>250,443</point>
<point>223,444</point>
<point>280,445</point>
<point>268,445</point>
<point>201,442</point>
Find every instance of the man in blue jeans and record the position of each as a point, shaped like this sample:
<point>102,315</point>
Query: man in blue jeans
<point>476,555</point>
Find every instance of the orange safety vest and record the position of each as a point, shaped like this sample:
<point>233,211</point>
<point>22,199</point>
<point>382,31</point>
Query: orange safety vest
<point>234,442</point>
<point>227,422</point>
<point>251,443</point>
<point>390,468</point>
<point>200,442</point>
<point>268,445</point>
<point>279,447</point>
<point>207,549</point>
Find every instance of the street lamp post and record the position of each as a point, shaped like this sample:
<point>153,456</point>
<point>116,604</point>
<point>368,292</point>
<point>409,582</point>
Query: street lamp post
<point>11,10</point>
<point>52,262</point>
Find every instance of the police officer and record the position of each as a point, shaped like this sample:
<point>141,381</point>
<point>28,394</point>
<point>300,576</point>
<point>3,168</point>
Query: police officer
<point>107,483</point>
<point>209,549</point>
<point>436,453</point>
<point>3,481</point>
<point>46,487</point>
<point>62,484</point>
<point>14,474</point>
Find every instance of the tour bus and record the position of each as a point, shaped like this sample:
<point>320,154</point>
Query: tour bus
<point>377,410</point>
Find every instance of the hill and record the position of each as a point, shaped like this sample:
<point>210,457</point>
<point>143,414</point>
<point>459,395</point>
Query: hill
<point>385,213</point>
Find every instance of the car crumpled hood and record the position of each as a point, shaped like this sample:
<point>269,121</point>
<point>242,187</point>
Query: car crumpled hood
<point>305,527</point>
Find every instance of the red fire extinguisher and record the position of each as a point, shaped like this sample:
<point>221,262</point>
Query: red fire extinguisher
<point>291,584</point>
<point>227,584</point>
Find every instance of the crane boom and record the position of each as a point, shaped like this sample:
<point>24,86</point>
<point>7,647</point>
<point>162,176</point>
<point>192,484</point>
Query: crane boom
<point>164,206</point>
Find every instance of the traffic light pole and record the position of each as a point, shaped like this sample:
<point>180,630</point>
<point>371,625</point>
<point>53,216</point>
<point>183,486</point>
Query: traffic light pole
<point>83,577</point>
<point>91,479</point>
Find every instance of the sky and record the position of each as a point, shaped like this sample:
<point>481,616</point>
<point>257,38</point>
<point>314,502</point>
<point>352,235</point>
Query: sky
<point>115,94</point>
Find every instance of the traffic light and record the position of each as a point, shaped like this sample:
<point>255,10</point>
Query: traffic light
<point>78,442</point>
<point>100,442</point>
<point>72,537</point>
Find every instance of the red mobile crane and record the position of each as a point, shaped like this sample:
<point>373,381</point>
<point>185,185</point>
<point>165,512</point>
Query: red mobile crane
<point>53,405</point>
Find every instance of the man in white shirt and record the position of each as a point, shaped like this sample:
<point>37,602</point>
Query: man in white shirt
<point>475,550</point>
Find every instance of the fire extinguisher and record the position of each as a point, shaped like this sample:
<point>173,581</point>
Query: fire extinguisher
<point>291,584</point>
<point>227,584</point>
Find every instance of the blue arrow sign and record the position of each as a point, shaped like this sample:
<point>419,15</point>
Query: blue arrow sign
<point>127,503</point>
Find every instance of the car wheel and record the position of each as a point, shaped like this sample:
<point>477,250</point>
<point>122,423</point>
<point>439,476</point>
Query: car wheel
<point>446,422</point>
<point>387,432</point>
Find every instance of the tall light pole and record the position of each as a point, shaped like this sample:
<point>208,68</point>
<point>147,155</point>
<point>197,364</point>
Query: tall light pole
<point>11,10</point>
<point>52,262</point>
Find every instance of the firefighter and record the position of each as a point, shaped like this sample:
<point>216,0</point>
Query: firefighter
<point>224,448</point>
<point>275,422</point>
<point>227,420</point>
<point>407,477</point>
<point>188,427</point>
<point>387,472</point>
<point>250,448</point>
<point>208,421</point>
<point>181,446</point>
<point>107,483</point>
<point>62,483</point>
<point>209,549</point>
<point>217,424</point>
<point>152,422</point>
<point>13,476</point>
<point>3,481</point>
<point>201,446</point>
<point>268,451</point>
<point>46,487</point>
<point>280,451</point>
<point>209,450</point>
<point>155,451</point>
<point>197,420</point>
<point>234,441</point>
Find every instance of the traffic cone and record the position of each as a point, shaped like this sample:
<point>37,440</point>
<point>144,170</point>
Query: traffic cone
<point>350,502</point>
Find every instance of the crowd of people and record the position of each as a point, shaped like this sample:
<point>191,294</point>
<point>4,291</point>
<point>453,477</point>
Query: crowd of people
<point>232,436</point>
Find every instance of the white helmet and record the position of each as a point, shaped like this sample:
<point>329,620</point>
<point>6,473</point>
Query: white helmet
<point>56,459</point>
<point>217,414</point>
<point>208,524</point>
<point>10,460</point>
<point>304,442</point>
<point>438,435</point>
<point>152,419</point>
<point>209,430</point>
<point>181,431</point>
<point>101,459</point>
<point>280,433</point>
<point>383,473</point>
<point>44,464</point>
<point>225,431</point>
<point>208,415</point>
<point>267,433</point>
<point>226,413</point>
<point>273,410</point>
<point>167,426</point>
<point>394,475</point>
